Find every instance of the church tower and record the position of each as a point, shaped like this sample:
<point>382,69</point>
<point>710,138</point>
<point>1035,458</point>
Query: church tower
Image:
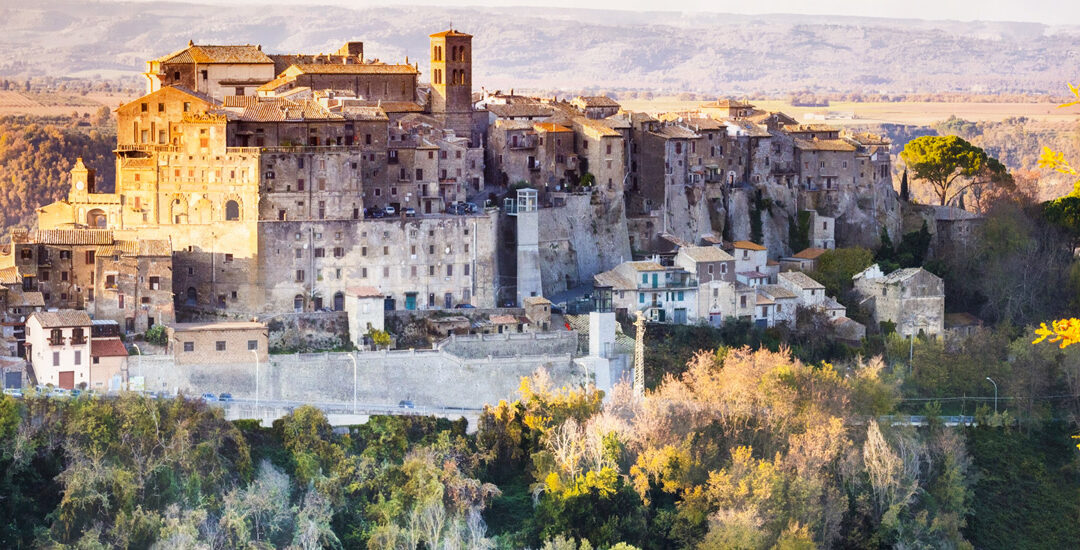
<point>451,80</point>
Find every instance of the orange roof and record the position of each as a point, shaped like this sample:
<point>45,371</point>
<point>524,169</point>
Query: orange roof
<point>503,319</point>
<point>450,32</point>
<point>811,253</point>
<point>749,245</point>
<point>107,347</point>
<point>364,292</point>
<point>550,127</point>
<point>350,68</point>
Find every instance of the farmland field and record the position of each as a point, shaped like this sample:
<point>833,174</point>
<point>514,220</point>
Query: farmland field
<point>57,103</point>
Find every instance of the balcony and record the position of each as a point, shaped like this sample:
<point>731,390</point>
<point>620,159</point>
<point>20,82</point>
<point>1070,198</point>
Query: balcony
<point>529,142</point>
<point>78,341</point>
<point>56,341</point>
<point>534,165</point>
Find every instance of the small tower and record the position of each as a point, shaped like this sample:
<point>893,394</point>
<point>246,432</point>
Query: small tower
<point>451,80</point>
<point>82,179</point>
<point>528,246</point>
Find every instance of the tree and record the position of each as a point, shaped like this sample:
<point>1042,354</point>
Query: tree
<point>836,267</point>
<point>904,194</point>
<point>157,335</point>
<point>951,165</point>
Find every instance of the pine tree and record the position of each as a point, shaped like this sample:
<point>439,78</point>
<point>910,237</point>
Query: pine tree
<point>904,194</point>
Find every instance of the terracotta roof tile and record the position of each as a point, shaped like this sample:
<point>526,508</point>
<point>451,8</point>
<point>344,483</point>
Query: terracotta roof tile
<point>351,68</point>
<point>800,279</point>
<point>550,127</point>
<point>596,101</point>
<point>364,292</point>
<point>515,110</point>
<point>62,318</point>
<point>811,253</point>
<point>748,245</point>
<point>503,319</point>
<point>838,145</point>
<point>196,53</point>
<point>450,32</point>
<point>107,347</point>
<point>71,236</point>
<point>706,254</point>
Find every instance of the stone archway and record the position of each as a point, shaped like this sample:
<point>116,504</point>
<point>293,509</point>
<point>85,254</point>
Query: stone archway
<point>97,218</point>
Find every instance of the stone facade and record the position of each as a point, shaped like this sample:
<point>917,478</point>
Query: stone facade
<point>216,343</point>
<point>913,298</point>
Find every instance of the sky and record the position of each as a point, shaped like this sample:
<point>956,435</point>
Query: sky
<point>1052,12</point>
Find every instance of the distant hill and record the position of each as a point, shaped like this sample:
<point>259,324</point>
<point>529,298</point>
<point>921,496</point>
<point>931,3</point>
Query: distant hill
<point>569,49</point>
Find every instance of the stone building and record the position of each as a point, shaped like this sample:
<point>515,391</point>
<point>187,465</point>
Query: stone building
<point>596,107</point>
<point>663,294</point>
<point>128,281</point>
<point>58,345</point>
<point>216,71</point>
<point>913,298</point>
<point>218,343</point>
<point>365,306</point>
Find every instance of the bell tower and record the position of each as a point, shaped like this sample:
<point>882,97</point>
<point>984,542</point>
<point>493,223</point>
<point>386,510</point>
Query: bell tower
<point>451,80</point>
<point>82,180</point>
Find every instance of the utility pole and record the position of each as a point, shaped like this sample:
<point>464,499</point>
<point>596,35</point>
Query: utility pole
<point>639,356</point>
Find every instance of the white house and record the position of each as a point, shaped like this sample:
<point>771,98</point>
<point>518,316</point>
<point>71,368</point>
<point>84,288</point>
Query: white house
<point>58,344</point>
<point>366,310</point>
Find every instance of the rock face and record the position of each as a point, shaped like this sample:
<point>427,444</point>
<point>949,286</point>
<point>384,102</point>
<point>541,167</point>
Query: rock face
<point>579,240</point>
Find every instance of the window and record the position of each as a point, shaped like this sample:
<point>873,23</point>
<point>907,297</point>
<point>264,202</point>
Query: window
<point>319,253</point>
<point>228,258</point>
<point>386,251</point>
<point>187,106</point>
<point>742,301</point>
<point>449,270</point>
<point>120,301</point>
<point>299,275</point>
<point>232,211</point>
<point>299,253</point>
<point>253,345</point>
<point>44,276</point>
<point>63,275</point>
<point>219,345</point>
<point>419,174</point>
<point>339,252</point>
<point>466,270</point>
<point>78,357</point>
<point>431,271</point>
<point>299,185</point>
<point>56,359</point>
<point>363,273</point>
<point>56,337</point>
<point>641,297</point>
<point>644,279</point>
<point>143,108</point>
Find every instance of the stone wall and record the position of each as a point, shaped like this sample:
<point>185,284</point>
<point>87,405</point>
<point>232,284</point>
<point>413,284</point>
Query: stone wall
<point>511,344</point>
<point>579,240</point>
<point>435,379</point>
<point>309,330</point>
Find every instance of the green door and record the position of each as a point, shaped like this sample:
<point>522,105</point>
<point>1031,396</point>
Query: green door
<point>654,280</point>
<point>410,300</point>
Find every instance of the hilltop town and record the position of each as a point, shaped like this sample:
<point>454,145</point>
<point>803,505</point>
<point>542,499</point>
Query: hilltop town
<point>321,201</point>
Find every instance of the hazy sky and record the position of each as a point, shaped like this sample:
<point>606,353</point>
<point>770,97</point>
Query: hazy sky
<point>1059,12</point>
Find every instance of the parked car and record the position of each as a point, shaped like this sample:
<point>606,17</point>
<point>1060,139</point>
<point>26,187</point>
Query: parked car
<point>465,306</point>
<point>377,212</point>
<point>209,397</point>
<point>225,397</point>
<point>75,392</point>
<point>410,212</point>
<point>14,392</point>
<point>471,207</point>
<point>406,404</point>
<point>390,211</point>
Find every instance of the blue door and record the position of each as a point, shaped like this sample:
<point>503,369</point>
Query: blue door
<point>654,280</point>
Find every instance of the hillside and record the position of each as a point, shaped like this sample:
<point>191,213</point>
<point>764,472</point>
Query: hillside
<point>569,49</point>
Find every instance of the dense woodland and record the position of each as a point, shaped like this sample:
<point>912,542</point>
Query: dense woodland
<point>744,449</point>
<point>36,155</point>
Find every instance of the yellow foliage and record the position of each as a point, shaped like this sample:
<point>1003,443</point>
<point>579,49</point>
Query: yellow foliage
<point>1065,331</point>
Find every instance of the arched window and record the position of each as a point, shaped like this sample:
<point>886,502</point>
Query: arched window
<point>191,296</point>
<point>96,218</point>
<point>339,301</point>
<point>298,304</point>
<point>232,211</point>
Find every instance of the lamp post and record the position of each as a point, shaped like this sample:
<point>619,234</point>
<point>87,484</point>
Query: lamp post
<point>352,356</point>
<point>995,393</point>
<point>256,354</point>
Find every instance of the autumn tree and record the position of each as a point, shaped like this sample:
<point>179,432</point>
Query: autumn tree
<point>950,165</point>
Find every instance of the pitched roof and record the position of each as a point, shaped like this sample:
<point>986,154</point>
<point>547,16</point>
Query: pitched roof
<point>450,32</point>
<point>596,101</point>
<point>536,300</point>
<point>10,275</point>
<point>962,319</point>
<point>394,106</point>
<point>811,253</point>
<point>596,126</point>
<point>364,292</point>
<point>727,103</point>
<point>550,127</point>
<point>830,303</point>
<point>646,266</point>
<point>613,280</point>
<point>503,319</point>
<point>278,109</point>
<point>514,110</point>
<point>216,326</point>
<point>800,279</point>
<point>676,132</point>
<point>901,275</point>
<point>778,292</point>
<point>350,68</point>
<point>763,300</point>
<point>107,347</point>
<point>71,236</point>
<point>809,128</point>
<point>706,254</point>
<point>193,53</point>
<point>815,144</point>
<point>748,245</point>
<point>62,318</point>
<point>18,298</point>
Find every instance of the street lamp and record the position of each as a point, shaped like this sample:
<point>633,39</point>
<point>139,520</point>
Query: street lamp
<point>352,356</point>
<point>256,354</point>
<point>995,393</point>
